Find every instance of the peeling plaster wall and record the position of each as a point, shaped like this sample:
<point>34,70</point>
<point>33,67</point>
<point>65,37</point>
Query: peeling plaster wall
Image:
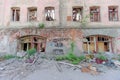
<point>9,39</point>
<point>117,42</point>
<point>7,47</point>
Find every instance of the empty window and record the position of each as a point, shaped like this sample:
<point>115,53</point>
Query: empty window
<point>32,14</point>
<point>15,14</point>
<point>94,14</point>
<point>91,38</point>
<point>77,14</point>
<point>113,13</point>
<point>103,38</point>
<point>49,13</point>
<point>37,42</point>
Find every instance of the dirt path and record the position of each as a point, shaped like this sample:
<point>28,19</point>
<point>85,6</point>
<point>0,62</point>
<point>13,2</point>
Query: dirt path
<point>53,74</point>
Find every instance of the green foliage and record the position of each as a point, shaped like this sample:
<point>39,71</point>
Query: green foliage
<point>81,58</point>
<point>72,58</point>
<point>41,25</point>
<point>84,20</point>
<point>60,58</point>
<point>75,62</point>
<point>119,57</point>
<point>9,56</point>
<point>31,52</point>
<point>72,46</point>
<point>101,57</point>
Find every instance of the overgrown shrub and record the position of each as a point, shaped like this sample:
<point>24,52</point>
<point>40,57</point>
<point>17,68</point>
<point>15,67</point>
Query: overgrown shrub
<point>31,52</point>
<point>72,46</point>
<point>101,57</point>
<point>81,58</point>
<point>41,25</point>
<point>72,58</point>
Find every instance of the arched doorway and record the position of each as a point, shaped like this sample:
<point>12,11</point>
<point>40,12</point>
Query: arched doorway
<point>97,43</point>
<point>33,41</point>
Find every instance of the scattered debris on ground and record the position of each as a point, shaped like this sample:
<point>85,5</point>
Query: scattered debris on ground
<point>18,68</point>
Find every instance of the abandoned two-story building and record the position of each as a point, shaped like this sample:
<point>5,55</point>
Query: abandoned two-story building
<point>93,25</point>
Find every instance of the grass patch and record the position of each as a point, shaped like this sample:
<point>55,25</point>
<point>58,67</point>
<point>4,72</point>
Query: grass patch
<point>72,58</point>
<point>60,58</point>
<point>8,56</point>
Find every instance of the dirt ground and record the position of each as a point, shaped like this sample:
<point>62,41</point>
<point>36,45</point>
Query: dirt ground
<point>72,75</point>
<point>43,69</point>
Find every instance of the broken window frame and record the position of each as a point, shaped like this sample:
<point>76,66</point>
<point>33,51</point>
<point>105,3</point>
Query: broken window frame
<point>77,13</point>
<point>32,14</point>
<point>15,14</point>
<point>103,38</point>
<point>49,13</point>
<point>97,39</point>
<point>113,13</point>
<point>33,41</point>
<point>95,14</point>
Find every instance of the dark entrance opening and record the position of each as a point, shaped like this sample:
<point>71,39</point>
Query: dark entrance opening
<point>33,41</point>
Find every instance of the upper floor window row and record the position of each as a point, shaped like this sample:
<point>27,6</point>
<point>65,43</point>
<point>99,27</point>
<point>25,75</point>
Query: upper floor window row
<point>77,13</point>
<point>32,14</point>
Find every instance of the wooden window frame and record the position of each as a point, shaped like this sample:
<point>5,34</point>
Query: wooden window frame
<point>32,17</point>
<point>50,16</point>
<point>15,14</point>
<point>112,12</point>
<point>95,14</point>
<point>77,13</point>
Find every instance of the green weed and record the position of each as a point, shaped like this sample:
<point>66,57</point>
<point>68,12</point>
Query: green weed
<point>8,56</point>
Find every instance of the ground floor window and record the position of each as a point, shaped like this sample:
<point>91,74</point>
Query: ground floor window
<point>37,42</point>
<point>97,43</point>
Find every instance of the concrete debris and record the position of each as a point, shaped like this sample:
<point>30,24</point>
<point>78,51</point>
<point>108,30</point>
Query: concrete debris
<point>21,54</point>
<point>85,69</point>
<point>90,69</point>
<point>18,69</point>
<point>2,69</point>
<point>68,64</point>
<point>116,62</point>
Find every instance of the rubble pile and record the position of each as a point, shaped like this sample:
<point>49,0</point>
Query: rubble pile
<point>18,69</point>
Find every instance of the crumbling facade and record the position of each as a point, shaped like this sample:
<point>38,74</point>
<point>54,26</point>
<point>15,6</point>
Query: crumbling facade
<point>93,25</point>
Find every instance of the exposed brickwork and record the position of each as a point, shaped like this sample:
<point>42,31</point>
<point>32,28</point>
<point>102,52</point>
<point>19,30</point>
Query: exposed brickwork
<point>9,38</point>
